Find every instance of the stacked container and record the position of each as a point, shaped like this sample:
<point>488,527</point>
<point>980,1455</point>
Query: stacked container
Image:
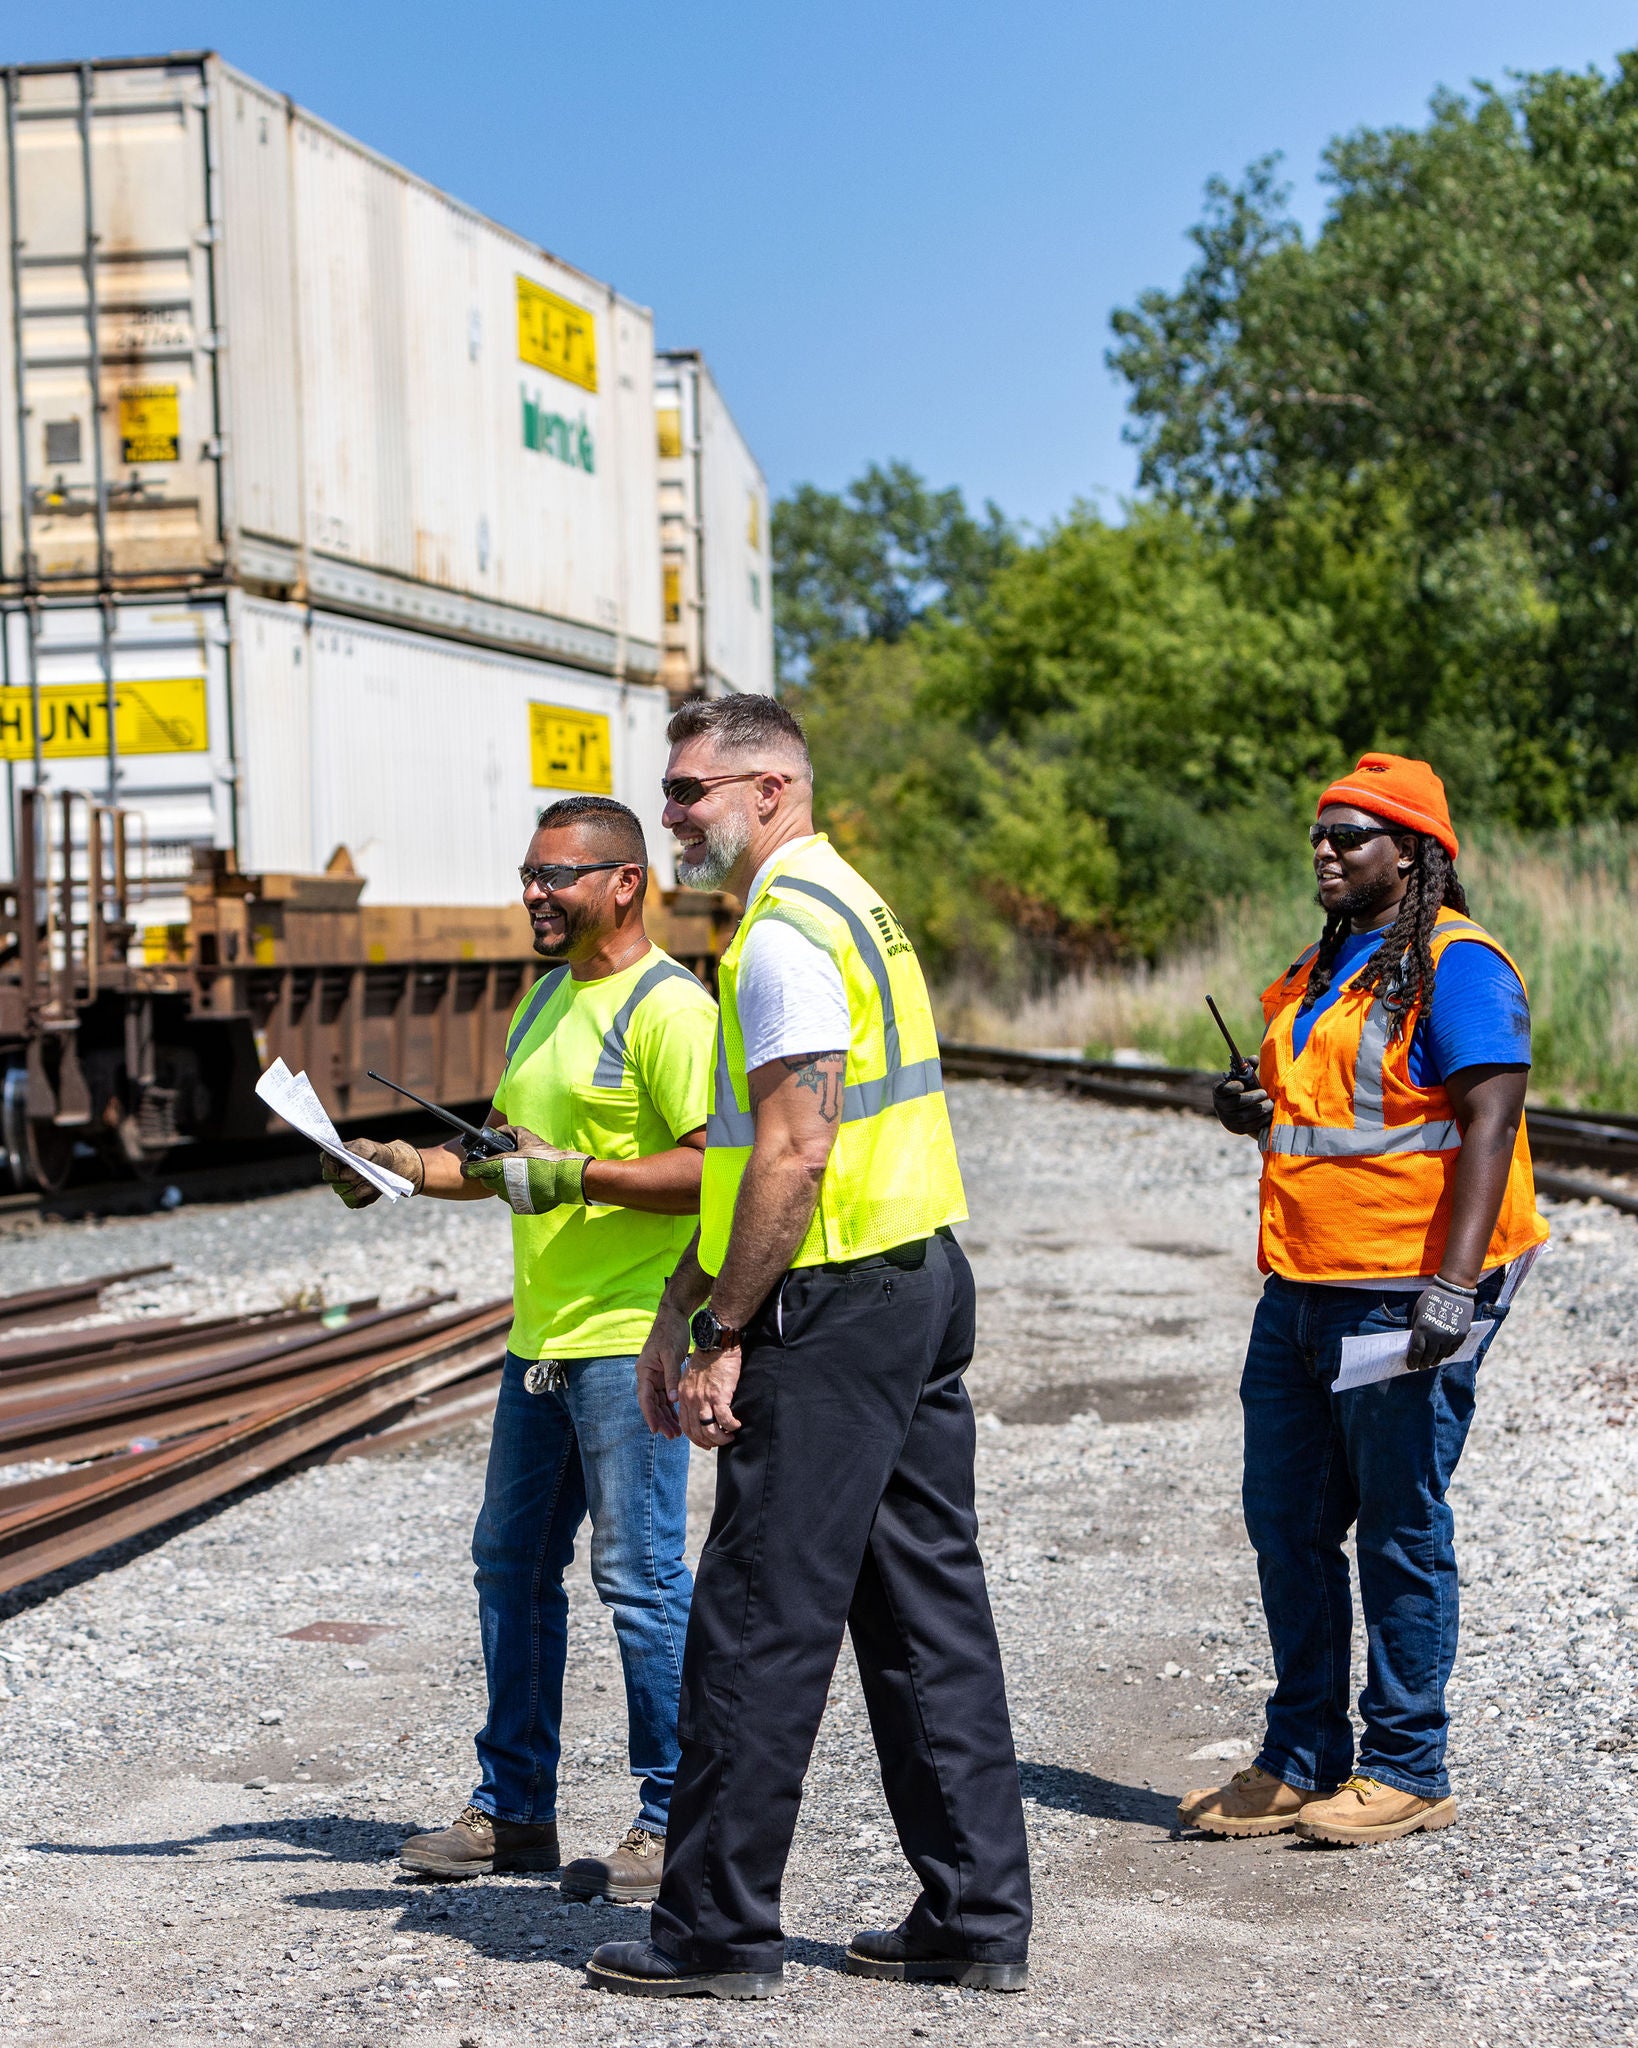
<point>327,506</point>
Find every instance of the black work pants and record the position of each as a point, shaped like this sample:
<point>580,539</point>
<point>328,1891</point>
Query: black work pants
<point>847,1500</point>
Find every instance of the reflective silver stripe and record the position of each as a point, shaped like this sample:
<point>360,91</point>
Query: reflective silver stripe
<point>539,997</point>
<point>1323,1141</point>
<point>515,1173</point>
<point>727,1124</point>
<point>610,1070</point>
<point>904,1084</point>
<point>1368,1065</point>
<point>1370,1137</point>
<point>861,1100</point>
<point>869,949</point>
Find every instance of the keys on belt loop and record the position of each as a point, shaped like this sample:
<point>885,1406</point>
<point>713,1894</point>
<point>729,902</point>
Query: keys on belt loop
<point>547,1376</point>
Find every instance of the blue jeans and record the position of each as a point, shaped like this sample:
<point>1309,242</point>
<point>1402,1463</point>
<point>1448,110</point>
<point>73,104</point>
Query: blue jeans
<point>554,1458</point>
<point>1380,1459</point>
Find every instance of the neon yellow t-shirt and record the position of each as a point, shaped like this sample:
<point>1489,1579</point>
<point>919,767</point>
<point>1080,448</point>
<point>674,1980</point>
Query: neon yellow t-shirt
<point>619,1068</point>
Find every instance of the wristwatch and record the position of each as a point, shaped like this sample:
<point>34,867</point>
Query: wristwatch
<point>711,1335</point>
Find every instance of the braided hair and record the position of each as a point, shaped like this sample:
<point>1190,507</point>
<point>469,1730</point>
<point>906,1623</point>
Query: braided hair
<point>1400,971</point>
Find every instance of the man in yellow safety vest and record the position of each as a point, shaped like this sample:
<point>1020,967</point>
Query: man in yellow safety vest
<point>827,1375</point>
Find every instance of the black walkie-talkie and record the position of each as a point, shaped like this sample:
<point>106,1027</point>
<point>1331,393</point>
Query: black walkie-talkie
<point>475,1144</point>
<point>1239,1066</point>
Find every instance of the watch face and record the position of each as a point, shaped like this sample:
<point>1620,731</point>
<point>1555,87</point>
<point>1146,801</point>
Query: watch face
<point>705,1330</point>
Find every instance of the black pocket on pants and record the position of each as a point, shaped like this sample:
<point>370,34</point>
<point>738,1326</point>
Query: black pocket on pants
<point>716,1632</point>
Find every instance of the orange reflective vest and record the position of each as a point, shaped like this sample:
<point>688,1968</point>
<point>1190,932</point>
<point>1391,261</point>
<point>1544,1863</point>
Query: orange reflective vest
<point>1359,1163</point>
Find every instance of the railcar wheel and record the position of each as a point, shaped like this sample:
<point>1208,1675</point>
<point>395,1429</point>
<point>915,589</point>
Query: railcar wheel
<point>49,1155</point>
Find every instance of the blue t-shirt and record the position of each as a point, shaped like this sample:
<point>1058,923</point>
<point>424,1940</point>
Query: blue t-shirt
<point>1479,1016</point>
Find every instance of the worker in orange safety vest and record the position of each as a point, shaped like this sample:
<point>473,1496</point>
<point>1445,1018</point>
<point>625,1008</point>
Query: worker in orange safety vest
<point>1397,1218</point>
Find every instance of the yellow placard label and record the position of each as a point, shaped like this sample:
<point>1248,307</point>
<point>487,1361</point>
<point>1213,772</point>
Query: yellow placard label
<point>150,423</point>
<point>149,718</point>
<point>668,420</point>
<point>570,750</point>
<point>673,594</point>
<point>556,335</point>
<point>753,521</point>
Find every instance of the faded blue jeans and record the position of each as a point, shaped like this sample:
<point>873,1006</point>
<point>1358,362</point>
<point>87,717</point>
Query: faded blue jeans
<point>1378,1459</point>
<point>555,1458</point>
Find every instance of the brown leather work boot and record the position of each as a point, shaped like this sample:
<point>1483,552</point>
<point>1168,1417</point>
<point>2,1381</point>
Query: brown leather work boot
<point>478,1844</point>
<point>1366,1811</point>
<point>631,1871</point>
<point>1253,1802</point>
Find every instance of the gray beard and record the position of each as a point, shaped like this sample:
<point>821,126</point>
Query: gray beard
<point>710,865</point>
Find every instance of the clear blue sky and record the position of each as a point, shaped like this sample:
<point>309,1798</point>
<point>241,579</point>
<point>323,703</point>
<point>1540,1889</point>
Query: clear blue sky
<point>896,228</point>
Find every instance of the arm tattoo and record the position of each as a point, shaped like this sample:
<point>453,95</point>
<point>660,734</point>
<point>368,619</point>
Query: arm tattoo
<point>822,1073</point>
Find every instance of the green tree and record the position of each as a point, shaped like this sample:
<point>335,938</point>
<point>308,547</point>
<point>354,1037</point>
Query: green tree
<point>868,562</point>
<point>1457,345</point>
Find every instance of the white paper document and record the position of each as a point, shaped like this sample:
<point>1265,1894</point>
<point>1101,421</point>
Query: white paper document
<point>1381,1354</point>
<point>293,1097</point>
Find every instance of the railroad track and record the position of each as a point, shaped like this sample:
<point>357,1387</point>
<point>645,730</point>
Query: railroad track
<point>109,1431</point>
<point>1608,1144</point>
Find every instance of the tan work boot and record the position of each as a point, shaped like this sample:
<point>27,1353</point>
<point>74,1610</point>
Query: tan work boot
<point>1253,1802</point>
<point>631,1871</point>
<point>477,1844</point>
<point>1365,1811</point>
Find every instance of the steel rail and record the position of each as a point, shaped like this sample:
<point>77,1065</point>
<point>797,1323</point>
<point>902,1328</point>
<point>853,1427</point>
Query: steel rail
<point>1607,1141</point>
<point>49,1523</point>
<point>61,1428</point>
<point>51,1304</point>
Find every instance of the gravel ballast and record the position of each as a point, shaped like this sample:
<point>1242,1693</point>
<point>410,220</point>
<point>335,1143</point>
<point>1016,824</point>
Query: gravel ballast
<point>199,1815</point>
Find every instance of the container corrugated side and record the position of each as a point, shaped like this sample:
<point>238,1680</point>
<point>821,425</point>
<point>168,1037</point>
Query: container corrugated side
<point>433,453</point>
<point>428,760</point>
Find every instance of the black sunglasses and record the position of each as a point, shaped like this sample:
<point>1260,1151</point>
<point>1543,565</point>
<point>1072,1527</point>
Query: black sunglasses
<point>563,874</point>
<point>688,789</point>
<point>1345,838</point>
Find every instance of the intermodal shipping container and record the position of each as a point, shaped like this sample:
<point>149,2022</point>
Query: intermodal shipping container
<point>286,732</point>
<point>238,347</point>
<point>714,536</point>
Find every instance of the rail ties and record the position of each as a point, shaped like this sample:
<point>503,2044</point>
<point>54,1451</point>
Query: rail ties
<point>1607,1142</point>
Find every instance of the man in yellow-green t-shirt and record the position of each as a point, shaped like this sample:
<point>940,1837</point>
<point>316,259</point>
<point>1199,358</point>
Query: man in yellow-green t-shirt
<point>607,1087</point>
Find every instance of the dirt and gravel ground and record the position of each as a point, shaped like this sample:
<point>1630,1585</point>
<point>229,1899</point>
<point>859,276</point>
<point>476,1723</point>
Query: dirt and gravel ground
<point>198,1814</point>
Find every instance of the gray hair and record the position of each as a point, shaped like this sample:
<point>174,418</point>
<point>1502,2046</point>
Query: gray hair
<point>745,724</point>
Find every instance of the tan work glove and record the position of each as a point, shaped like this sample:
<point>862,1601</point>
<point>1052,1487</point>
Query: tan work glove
<point>533,1179</point>
<point>397,1155</point>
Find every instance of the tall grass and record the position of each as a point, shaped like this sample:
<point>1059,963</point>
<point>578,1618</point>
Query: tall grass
<point>1564,905</point>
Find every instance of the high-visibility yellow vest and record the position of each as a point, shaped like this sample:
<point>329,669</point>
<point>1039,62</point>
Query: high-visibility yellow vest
<point>1359,1164</point>
<point>892,1176</point>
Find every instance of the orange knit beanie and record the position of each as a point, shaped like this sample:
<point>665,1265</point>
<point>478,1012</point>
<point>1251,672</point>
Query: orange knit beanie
<point>1399,791</point>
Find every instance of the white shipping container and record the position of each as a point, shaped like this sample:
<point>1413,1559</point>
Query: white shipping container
<point>238,347</point>
<point>288,732</point>
<point>714,537</point>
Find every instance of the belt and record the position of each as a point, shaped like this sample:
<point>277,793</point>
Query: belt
<point>907,1257</point>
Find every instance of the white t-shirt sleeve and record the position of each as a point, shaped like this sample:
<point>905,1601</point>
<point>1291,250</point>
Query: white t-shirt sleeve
<point>790,996</point>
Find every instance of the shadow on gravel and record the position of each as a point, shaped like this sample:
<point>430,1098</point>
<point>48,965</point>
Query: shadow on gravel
<point>1163,1398</point>
<point>347,1841</point>
<point>1102,1798</point>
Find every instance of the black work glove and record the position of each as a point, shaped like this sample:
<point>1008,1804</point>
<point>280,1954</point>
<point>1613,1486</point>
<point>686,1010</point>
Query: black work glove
<point>1439,1323</point>
<point>1242,1106</point>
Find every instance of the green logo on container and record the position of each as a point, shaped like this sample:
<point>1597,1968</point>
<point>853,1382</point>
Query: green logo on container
<point>549,433</point>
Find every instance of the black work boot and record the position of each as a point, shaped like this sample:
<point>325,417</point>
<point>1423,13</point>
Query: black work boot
<point>477,1844</point>
<point>640,1970</point>
<point>884,1952</point>
<point>631,1871</point>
